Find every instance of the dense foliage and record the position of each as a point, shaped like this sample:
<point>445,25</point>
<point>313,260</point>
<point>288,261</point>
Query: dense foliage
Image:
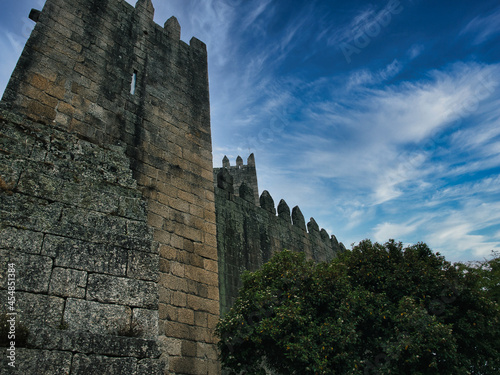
<point>377,309</point>
<point>486,274</point>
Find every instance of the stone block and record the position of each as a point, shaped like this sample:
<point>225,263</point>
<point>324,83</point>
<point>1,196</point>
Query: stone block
<point>188,365</point>
<point>39,362</point>
<point>145,322</point>
<point>132,208</point>
<point>185,316</point>
<point>38,310</point>
<point>32,271</point>
<point>151,367</point>
<point>68,283</point>
<point>29,212</point>
<point>202,304</point>
<point>170,345</point>
<point>144,266</point>
<point>189,348</point>
<point>97,364</point>
<point>25,241</point>
<point>207,351</point>
<point>86,256</point>
<point>130,292</point>
<point>91,343</point>
<point>96,317</point>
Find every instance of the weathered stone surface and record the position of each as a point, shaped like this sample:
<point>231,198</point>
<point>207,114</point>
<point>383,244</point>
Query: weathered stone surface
<point>92,343</point>
<point>29,213</point>
<point>67,282</point>
<point>39,362</point>
<point>334,240</point>
<point>225,181</point>
<point>324,235</point>
<point>284,211</point>
<point>246,192</point>
<point>20,240</point>
<point>96,364</point>
<point>312,226</point>
<point>32,271</point>
<point>267,202</point>
<point>151,367</point>
<point>146,323</point>
<point>38,310</point>
<point>95,317</point>
<point>143,266</point>
<point>130,292</point>
<point>83,255</point>
<point>298,218</point>
<point>173,28</point>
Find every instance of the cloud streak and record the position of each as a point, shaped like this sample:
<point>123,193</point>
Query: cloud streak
<point>484,27</point>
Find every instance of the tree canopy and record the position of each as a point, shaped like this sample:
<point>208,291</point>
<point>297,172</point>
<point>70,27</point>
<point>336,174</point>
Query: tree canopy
<point>376,309</point>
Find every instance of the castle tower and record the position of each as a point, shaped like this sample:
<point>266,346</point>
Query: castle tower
<point>104,76</point>
<point>242,173</point>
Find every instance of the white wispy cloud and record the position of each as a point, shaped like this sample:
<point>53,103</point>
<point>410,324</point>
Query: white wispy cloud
<point>415,51</point>
<point>386,231</point>
<point>459,231</point>
<point>364,77</point>
<point>367,23</point>
<point>484,27</point>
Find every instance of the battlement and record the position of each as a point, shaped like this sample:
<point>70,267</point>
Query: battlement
<point>242,175</point>
<point>109,210</point>
<point>250,232</point>
<point>102,68</point>
<point>225,182</point>
<point>100,81</point>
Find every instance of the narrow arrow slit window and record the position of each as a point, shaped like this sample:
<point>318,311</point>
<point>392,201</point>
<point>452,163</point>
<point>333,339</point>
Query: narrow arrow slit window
<point>134,83</point>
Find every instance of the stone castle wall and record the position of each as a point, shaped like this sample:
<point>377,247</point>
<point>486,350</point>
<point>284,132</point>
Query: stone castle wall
<point>102,72</point>
<point>248,234</point>
<point>241,173</point>
<point>107,200</point>
<point>74,225</point>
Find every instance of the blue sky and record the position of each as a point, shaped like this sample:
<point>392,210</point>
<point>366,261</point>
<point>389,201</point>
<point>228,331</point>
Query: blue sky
<point>379,119</point>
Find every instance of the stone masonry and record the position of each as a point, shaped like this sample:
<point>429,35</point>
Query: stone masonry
<point>248,234</point>
<point>75,226</point>
<point>125,253</point>
<point>241,173</point>
<point>108,211</point>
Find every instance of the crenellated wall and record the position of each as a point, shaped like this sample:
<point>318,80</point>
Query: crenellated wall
<point>124,254</point>
<point>241,173</point>
<point>248,234</point>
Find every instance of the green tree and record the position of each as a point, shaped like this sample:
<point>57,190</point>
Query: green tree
<point>377,309</point>
<point>486,274</point>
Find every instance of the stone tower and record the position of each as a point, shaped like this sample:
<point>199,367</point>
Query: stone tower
<point>107,193</point>
<point>241,174</point>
